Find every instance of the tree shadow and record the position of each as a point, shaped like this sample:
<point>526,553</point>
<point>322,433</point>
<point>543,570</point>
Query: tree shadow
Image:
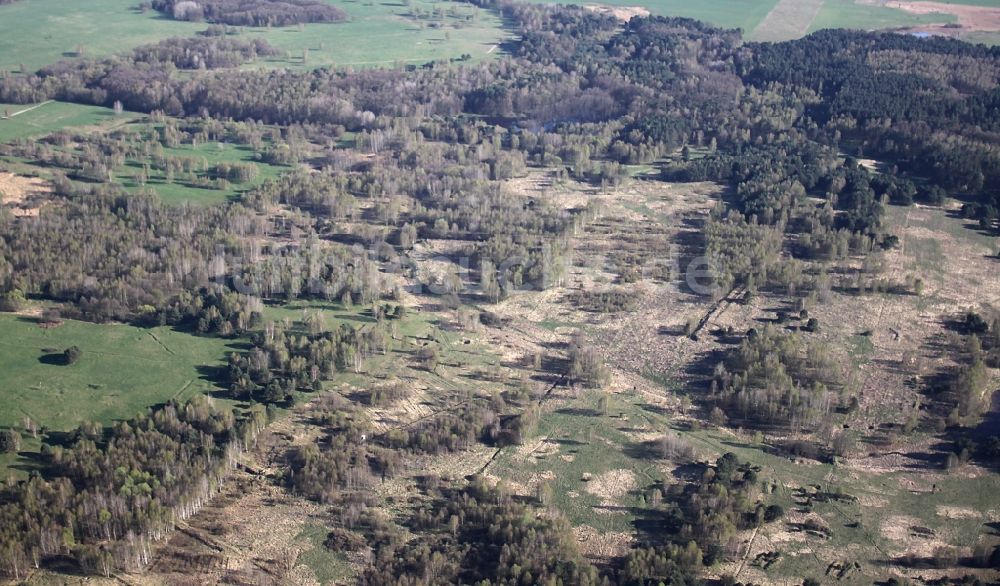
<point>578,412</point>
<point>54,359</point>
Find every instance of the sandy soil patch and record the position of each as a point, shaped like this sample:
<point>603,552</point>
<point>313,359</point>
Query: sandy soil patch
<point>622,13</point>
<point>908,535</point>
<point>18,192</point>
<point>950,512</point>
<point>872,501</point>
<point>540,185</point>
<point>600,545</point>
<point>612,484</point>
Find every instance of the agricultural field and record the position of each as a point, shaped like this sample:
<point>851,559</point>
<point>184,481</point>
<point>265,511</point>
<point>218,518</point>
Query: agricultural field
<point>376,33</point>
<point>780,20</point>
<point>726,13</point>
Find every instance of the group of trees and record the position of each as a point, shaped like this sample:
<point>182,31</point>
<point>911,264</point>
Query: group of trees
<point>280,362</point>
<point>481,535</point>
<point>164,250</point>
<point>928,106</point>
<point>109,494</point>
<point>206,52</point>
<point>696,523</point>
<point>251,12</point>
<point>214,310</point>
<point>775,378</point>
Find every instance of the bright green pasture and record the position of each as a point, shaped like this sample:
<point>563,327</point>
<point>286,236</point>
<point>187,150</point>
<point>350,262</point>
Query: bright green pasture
<point>849,14</point>
<point>26,121</point>
<point>36,33</point>
<point>726,13</point>
<point>123,370</point>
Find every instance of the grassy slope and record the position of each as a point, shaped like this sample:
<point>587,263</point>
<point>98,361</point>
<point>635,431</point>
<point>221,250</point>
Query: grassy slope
<point>123,370</point>
<point>40,32</point>
<point>54,116</point>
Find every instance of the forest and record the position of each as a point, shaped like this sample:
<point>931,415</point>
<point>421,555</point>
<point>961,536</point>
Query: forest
<point>349,173</point>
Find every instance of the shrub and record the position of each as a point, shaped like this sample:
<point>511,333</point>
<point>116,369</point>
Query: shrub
<point>72,354</point>
<point>10,441</point>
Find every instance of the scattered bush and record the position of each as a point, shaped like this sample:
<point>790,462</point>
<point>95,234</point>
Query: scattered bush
<point>72,354</point>
<point>10,441</point>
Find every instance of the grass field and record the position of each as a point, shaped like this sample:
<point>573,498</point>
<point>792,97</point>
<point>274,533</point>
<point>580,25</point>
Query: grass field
<point>213,153</point>
<point>41,32</point>
<point>727,13</point>
<point>41,119</point>
<point>849,14</point>
<point>329,567</point>
<point>123,370</point>
<point>795,18</point>
<point>599,467</point>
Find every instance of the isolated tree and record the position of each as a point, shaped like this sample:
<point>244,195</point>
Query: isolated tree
<point>72,354</point>
<point>10,441</point>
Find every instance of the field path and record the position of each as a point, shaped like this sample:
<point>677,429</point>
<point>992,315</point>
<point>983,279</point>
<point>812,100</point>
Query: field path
<point>789,19</point>
<point>160,342</point>
<point>19,112</point>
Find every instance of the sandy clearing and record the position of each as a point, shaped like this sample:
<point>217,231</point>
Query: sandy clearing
<point>977,18</point>
<point>612,484</point>
<point>950,512</point>
<point>17,191</point>
<point>596,544</point>
<point>622,13</point>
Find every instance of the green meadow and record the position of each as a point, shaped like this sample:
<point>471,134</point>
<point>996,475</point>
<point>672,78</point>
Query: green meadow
<point>40,32</point>
<point>124,370</point>
<point>41,119</point>
<point>849,14</point>
<point>726,13</point>
<point>177,191</point>
<point>30,120</point>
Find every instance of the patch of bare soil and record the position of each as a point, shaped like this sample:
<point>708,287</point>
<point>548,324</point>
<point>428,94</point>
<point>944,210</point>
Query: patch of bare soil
<point>612,484</point>
<point>972,18</point>
<point>950,512</point>
<point>622,13</point>
<point>908,534</point>
<point>600,545</point>
<point>23,194</point>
